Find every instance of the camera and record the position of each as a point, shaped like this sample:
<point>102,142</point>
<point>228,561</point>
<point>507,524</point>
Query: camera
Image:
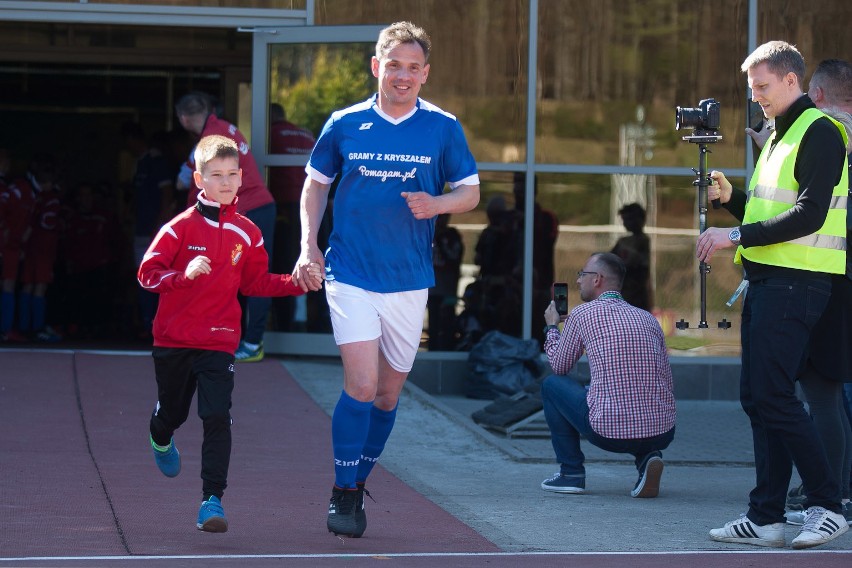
<point>704,117</point>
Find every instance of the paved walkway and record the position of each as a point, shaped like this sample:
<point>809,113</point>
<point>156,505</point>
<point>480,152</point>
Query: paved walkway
<point>492,483</point>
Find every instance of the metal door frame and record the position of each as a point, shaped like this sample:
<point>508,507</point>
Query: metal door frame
<point>290,343</point>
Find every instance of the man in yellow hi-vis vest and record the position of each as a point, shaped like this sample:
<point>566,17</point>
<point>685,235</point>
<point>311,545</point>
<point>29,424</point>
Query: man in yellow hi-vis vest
<point>791,240</point>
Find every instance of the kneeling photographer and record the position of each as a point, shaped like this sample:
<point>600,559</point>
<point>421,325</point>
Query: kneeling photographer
<point>629,407</point>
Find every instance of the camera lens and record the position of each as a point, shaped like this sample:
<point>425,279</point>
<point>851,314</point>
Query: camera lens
<point>686,117</point>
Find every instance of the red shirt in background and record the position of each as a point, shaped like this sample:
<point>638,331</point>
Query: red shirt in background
<point>253,193</point>
<point>286,182</point>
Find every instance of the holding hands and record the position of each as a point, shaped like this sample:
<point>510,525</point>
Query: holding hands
<point>308,273</point>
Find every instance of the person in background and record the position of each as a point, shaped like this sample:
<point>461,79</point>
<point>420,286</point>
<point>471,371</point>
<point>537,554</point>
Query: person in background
<point>545,235</point>
<point>40,246</point>
<point>90,249</point>
<point>153,205</point>
<point>285,184</point>
<point>635,251</point>
<point>16,202</point>
<point>447,253</point>
<point>498,254</point>
<point>629,407</point>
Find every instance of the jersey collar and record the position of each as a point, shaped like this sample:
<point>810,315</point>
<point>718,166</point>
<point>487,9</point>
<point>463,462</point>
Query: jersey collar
<point>388,117</point>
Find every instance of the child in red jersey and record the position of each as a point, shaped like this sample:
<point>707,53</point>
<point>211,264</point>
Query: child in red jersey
<point>197,263</point>
<point>39,250</point>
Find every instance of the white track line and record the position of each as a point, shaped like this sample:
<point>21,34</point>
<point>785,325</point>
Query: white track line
<point>412,555</point>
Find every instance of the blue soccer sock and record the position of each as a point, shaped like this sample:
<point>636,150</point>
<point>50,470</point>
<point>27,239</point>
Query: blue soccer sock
<point>24,311</point>
<point>349,426</point>
<point>7,311</point>
<point>381,424</point>
<point>39,309</point>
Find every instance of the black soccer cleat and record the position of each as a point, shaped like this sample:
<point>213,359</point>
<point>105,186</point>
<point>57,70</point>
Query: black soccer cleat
<point>344,517</point>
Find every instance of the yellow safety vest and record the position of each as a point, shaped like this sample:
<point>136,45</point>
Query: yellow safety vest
<point>774,189</point>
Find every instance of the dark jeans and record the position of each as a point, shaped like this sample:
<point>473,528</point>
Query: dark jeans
<point>258,308</point>
<point>778,315</point>
<point>567,413</point>
<point>179,372</point>
<point>828,411</point>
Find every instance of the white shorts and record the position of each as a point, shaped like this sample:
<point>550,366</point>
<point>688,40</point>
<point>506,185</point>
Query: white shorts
<point>396,319</point>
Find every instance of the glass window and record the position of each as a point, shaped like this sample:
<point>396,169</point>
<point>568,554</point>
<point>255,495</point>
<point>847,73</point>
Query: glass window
<point>478,63</point>
<point>608,70</point>
<point>310,81</point>
<point>269,4</point>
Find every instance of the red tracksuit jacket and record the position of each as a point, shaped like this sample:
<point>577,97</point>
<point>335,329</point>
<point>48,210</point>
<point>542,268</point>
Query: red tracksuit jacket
<point>204,313</point>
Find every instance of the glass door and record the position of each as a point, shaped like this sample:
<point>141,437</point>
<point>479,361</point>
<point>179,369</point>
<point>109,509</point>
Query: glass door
<point>300,75</point>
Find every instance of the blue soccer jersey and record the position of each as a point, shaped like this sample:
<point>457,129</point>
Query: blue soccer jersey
<point>376,243</point>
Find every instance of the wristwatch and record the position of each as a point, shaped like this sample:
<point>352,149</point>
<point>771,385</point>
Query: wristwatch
<point>734,235</point>
<point>549,327</point>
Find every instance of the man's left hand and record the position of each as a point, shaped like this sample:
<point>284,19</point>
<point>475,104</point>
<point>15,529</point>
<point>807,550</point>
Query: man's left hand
<point>421,204</point>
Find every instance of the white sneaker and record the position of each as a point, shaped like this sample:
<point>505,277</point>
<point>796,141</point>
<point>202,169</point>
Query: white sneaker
<point>743,531</point>
<point>821,526</point>
<point>796,518</point>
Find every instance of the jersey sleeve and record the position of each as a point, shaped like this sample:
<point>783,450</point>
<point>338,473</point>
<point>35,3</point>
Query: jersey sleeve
<point>459,162</point>
<point>155,272</point>
<point>325,158</point>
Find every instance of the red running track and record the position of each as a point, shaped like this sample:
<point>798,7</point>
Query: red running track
<point>79,488</point>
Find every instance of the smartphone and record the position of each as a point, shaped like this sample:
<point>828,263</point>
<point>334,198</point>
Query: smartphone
<point>755,116</point>
<point>560,297</point>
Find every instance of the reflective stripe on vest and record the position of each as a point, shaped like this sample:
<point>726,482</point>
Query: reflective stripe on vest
<point>774,190</point>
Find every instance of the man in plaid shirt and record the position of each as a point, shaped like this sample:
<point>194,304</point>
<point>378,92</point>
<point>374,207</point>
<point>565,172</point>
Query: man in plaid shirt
<point>629,407</point>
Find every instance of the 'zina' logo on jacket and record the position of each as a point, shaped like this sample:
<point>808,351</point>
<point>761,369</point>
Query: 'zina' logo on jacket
<point>236,254</point>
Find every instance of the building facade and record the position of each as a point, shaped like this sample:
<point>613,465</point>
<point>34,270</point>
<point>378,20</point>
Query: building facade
<point>568,106</point>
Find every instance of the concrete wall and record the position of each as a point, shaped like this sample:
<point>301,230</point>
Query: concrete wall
<point>695,378</point>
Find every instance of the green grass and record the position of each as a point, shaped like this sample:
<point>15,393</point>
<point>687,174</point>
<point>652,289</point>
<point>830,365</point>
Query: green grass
<point>683,343</point>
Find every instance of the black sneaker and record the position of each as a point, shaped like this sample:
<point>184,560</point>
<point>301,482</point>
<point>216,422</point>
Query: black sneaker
<point>559,483</point>
<point>796,498</point>
<point>343,512</point>
<point>648,484</point>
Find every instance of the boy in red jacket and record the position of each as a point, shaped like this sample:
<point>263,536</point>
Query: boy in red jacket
<point>197,263</point>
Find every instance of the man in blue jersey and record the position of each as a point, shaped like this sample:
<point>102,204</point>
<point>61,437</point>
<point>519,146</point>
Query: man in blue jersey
<point>394,154</point>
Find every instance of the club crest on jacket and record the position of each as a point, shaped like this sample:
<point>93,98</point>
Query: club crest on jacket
<point>236,254</point>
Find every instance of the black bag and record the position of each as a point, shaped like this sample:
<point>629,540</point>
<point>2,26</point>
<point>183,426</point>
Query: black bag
<point>500,364</point>
<point>508,410</point>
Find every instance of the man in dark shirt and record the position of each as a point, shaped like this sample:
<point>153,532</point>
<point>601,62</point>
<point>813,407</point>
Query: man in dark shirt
<point>794,193</point>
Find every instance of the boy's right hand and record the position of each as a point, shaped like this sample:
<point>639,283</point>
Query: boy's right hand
<point>198,265</point>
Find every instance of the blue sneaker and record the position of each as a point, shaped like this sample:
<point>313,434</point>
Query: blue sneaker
<point>168,460</point>
<point>560,483</point>
<point>211,516</point>
<point>246,354</point>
